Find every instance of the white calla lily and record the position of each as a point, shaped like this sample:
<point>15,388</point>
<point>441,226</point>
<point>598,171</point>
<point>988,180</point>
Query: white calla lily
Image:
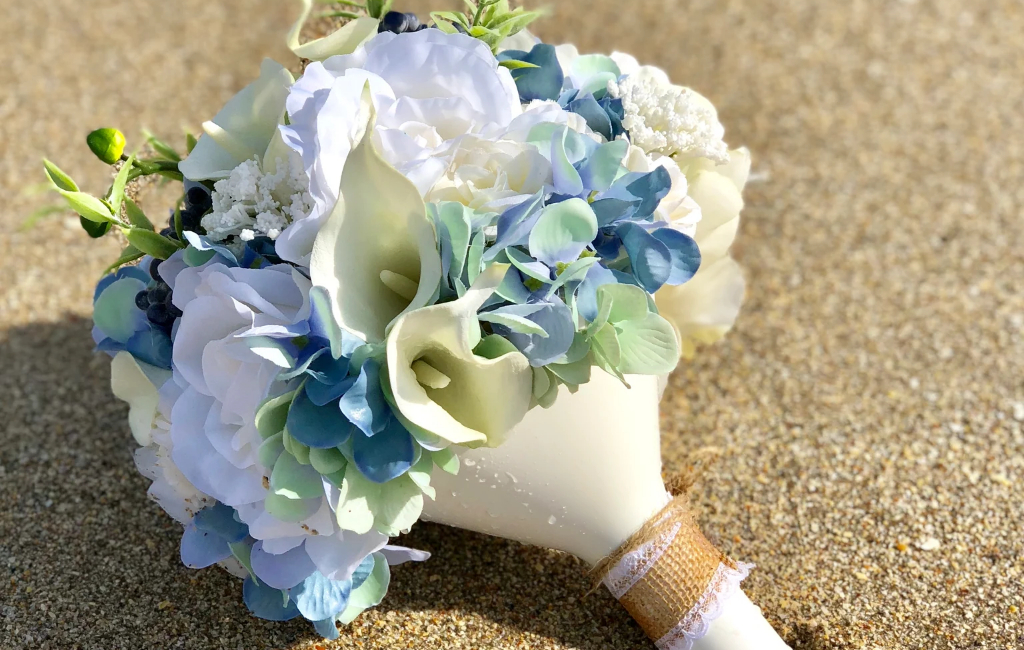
<point>344,41</point>
<point>440,385</point>
<point>243,129</point>
<point>376,255</point>
<point>138,384</point>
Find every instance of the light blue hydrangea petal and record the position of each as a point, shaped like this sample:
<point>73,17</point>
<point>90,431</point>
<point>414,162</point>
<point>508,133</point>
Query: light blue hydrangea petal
<point>586,294</point>
<point>364,404</point>
<point>115,312</point>
<point>563,231</point>
<point>199,242</point>
<point>220,520</point>
<point>685,254</point>
<point>543,82</point>
<point>610,211</point>
<point>282,571</point>
<point>387,455</point>
<point>514,225</point>
<point>268,603</point>
<point>151,345</point>
<point>601,167</point>
<point>651,188</point>
<point>556,320</point>
<point>528,266</point>
<point>200,549</point>
<point>327,628</point>
<point>362,572</point>
<point>566,179</point>
<point>319,427</point>
<point>650,258</point>
<point>511,289</point>
<point>318,598</point>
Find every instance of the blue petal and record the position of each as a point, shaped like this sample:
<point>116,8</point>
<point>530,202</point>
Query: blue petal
<point>362,572</point>
<point>322,325</point>
<point>556,319</point>
<point>330,377</point>
<point>220,520</point>
<point>685,254</point>
<point>268,603</point>
<point>364,403</point>
<point>591,111</point>
<point>110,346</point>
<point>200,242</point>
<point>282,571</point>
<point>327,628</point>
<point>201,549</point>
<point>651,188</point>
<point>151,345</point>
<point>543,82</point>
<point>514,225</point>
<point>607,245</point>
<point>611,211</point>
<point>385,456</point>
<point>319,598</point>
<point>586,295</point>
<point>321,427</point>
<point>650,258</point>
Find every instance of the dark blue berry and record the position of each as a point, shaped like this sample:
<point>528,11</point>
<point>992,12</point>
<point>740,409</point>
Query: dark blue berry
<point>142,299</point>
<point>159,315</point>
<point>399,23</point>
<point>154,269</point>
<point>174,311</point>
<point>198,199</point>
<point>159,294</point>
<point>169,233</point>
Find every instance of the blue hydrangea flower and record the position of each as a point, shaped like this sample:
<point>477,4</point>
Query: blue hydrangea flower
<point>119,323</point>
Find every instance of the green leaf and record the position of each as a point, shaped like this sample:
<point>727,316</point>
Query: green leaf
<point>445,26</point>
<point>93,228</point>
<point>136,216</point>
<point>447,460</point>
<point>88,206</point>
<point>129,254</point>
<point>420,475</point>
<point>513,64</point>
<point>575,373</point>
<point>625,302</point>
<point>190,142</point>
<point>151,243</point>
<point>605,343</point>
<point>648,346</point>
<point>57,176</point>
<point>377,8</point>
<point>370,593</point>
<point>449,17</point>
<point>165,150</point>
<point>341,14</point>
<point>117,197</point>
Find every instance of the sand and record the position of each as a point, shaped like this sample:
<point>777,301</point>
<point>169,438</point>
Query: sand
<point>860,430</point>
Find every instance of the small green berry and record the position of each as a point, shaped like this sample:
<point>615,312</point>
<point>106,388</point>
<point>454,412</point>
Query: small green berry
<point>108,144</point>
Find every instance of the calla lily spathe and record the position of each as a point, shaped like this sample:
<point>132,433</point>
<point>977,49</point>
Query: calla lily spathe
<point>138,384</point>
<point>245,128</point>
<point>376,254</point>
<point>440,385</point>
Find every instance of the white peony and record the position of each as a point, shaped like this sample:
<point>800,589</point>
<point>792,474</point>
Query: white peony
<point>428,89</point>
<point>223,380</point>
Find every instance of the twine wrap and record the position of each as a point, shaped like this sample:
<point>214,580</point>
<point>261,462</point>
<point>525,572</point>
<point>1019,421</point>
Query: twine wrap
<point>670,578</point>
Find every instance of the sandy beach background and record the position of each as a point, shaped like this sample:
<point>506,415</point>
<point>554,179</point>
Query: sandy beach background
<point>860,430</point>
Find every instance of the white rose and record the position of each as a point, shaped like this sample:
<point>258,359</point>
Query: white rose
<point>428,88</point>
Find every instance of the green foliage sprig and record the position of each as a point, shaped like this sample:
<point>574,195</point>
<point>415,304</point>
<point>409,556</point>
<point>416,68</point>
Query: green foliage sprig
<point>491,21</point>
<point>99,214</point>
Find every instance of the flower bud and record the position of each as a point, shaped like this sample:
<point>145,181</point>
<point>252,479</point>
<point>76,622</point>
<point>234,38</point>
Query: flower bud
<point>108,144</point>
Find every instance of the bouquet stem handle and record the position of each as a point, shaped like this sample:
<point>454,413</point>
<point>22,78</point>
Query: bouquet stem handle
<point>683,591</point>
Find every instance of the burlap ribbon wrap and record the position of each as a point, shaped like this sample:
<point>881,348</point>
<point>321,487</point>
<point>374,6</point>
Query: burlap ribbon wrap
<point>670,578</point>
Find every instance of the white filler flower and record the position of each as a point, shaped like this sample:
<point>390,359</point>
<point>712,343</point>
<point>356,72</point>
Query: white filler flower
<point>668,119</point>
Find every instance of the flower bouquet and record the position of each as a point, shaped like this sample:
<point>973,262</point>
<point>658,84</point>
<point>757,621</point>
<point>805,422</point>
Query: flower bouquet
<point>404,256</point>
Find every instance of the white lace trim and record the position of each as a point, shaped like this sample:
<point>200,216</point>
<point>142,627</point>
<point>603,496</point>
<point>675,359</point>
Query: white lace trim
<point>723,586</point>
<point>635,564</point>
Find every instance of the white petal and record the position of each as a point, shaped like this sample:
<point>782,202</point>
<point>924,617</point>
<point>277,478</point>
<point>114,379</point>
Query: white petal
<point>138,384</point>
<point>337,556</point>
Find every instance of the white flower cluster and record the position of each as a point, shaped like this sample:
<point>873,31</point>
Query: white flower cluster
<point>669,119</point>
<point>253,202</point>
